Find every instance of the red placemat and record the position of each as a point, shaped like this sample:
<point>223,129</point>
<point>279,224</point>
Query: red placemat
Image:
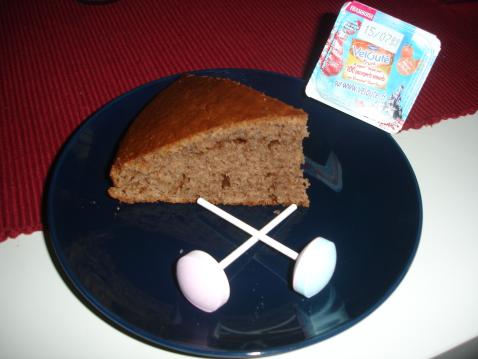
<point>61,60</point>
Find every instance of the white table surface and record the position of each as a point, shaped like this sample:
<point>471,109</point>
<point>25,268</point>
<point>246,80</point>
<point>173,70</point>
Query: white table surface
<point>434,309</point>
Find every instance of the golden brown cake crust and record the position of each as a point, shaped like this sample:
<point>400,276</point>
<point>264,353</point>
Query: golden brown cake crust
<point>216,139</point>
<point>178,112</point>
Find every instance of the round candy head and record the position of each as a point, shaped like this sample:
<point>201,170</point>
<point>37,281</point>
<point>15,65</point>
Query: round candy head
<point>314,267</point>
<point>202,281</point>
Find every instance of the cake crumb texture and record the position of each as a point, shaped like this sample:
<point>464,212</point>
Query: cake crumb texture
<point>216,139</point>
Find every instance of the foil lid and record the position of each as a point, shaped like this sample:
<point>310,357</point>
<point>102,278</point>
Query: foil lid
<point>373,66</point>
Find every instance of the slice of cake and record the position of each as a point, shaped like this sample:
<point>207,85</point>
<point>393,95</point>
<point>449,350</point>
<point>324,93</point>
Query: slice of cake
<point>216,139</point>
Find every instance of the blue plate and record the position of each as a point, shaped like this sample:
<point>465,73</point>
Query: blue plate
<point>121,258</point>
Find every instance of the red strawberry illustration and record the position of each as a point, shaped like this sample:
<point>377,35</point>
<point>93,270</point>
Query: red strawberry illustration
<point>351,27</point>
<point>338,49</point>
<point>340,36</point>
<point>338,44</point>
<point>333,65</point>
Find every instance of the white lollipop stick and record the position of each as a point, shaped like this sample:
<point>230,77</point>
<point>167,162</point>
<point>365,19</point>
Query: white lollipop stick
<point>202,279</point>
<point>313,268</point>
<point>251,230</point>
<point>253,240</point>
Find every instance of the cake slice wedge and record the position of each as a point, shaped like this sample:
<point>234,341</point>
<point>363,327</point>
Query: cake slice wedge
<point>216,139</point>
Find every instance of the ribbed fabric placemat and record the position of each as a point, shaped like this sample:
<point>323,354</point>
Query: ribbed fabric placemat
<point>62,60</point>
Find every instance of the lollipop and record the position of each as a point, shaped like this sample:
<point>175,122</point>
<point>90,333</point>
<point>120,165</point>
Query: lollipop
<point>203,281</point>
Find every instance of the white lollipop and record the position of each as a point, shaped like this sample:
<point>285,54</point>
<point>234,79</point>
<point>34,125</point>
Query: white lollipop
<point>313,268</point>
<point>202,279</point>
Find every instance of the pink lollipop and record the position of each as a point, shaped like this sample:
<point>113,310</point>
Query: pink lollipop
<point>202,279</point>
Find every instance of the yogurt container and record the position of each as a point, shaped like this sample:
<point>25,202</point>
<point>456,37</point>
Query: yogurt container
<point>373,66</point>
